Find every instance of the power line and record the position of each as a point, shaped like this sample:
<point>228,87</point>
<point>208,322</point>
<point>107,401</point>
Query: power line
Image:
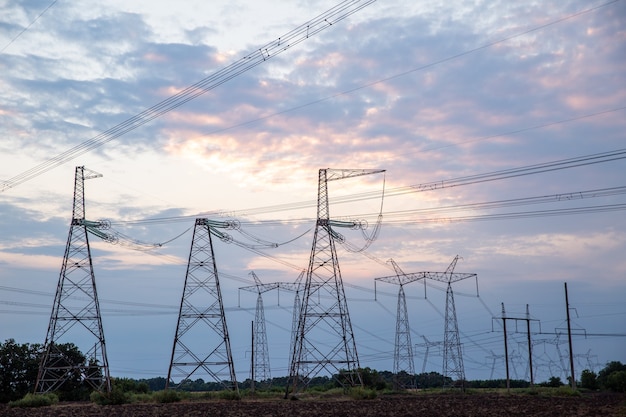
<point>557,165</point>
<point>256,57</point>
<point>28,26</point>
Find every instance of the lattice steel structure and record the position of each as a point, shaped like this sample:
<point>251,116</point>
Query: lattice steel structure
<point>453,367</point>
<point>403,363</point>
<point>201,343</point>
<point>75,314</point>
<point>452,352</point>
<point>427,344</point>
<point>260,366</point>
<point>324,339</point>
<point>297,307</point>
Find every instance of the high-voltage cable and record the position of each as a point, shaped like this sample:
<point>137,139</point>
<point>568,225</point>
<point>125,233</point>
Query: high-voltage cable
<point>300,34</point>
<point>583,160</point>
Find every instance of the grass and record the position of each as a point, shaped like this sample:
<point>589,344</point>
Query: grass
<point>35,400</point>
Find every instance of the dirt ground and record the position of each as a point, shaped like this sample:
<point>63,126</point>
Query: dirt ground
<point>483,405</point>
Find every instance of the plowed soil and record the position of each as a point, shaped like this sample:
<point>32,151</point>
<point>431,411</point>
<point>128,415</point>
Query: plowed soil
<point>483,405</point>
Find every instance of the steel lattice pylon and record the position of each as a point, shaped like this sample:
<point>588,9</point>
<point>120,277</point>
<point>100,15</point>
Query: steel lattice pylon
<point>75,314</point>
<point>403,363</point>
<point>201,344</point>
<point>324,340</point>
<point>260,367</point>
<point>452,354</point>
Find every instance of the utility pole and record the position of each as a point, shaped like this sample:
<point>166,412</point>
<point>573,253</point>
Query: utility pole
<point>569,336</point>
<point>506,351</point>
<point>527,319</point>
<point>530,347</point>
<point>252,360</point>
<point>75,313</point>
<point>201,343</point>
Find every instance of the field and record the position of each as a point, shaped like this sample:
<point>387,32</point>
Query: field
<point>473,404</point>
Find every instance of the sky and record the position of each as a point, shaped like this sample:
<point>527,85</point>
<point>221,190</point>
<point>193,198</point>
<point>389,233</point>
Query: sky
<point>435,93</point>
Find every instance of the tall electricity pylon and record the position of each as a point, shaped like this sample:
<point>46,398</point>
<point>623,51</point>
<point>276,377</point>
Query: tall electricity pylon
<point>75,314</point>
<point>260,367</point>
<point>452,355</point>
<point>403,349</point>
<point>201,344</point>
<point>324,339</point>
<point>297,306</point>
<point>452,350</point>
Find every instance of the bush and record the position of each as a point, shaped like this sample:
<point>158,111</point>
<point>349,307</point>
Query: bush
<point>167,396</point>
<point>362,393</point>
<point>588,380</point>
<point>35,400</point>
<point>115,397</point>
<point>616,381</point>
<point>229,395</point>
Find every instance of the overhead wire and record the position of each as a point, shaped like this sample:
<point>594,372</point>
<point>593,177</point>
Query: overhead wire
<point>557,165</point>
<point>263,53</point>
<point>300,34</point>
<point>27,26</point>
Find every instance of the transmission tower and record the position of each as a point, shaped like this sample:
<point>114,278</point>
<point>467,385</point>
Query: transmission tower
<point>75,314</point>
<point>452,354</point>
<point>324,339</point>
<point>295,287</point>
<point>403,348</point>
<point>427,344</point>
<point>260,367</point>
<point>453,369</point>
<point>201,344</point>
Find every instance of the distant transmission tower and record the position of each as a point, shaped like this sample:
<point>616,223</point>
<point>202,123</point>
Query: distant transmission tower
<point>297,306</point>
<point>452,352</point>
<point>452,355</point>
<point>427,344</point>
<point>260,368</point>
<point>201,343</point>
<point>324,339</point>
<point>75,314</point>
<point>403,349</point>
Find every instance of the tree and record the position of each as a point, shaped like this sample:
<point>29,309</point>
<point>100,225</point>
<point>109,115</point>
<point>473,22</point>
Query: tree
<point>589,380</point>
<point>607,371</point>
<point>18,369</point>
<point>616,381</point>
<point>554,382</point>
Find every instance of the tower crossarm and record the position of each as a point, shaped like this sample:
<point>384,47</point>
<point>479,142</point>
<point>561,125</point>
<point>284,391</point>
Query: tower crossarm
<point>340,174</point>
<point>259,287</point>
<point>448,277</point>
<point>402,279</point>
<point>415,276</point>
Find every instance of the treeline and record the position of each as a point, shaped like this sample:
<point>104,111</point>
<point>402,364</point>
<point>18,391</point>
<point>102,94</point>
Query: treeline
<point>19,365</point>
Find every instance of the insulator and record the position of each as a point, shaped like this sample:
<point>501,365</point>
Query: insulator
<point>226,238</point>
<point>232,224</point>
<point>104,224</point>
<point>363,224</point>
